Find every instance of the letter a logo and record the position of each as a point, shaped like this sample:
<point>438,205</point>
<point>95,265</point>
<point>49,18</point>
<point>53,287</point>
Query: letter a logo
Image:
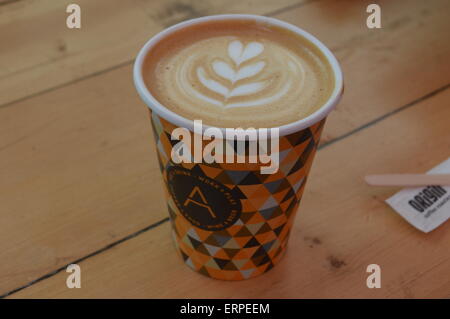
<point>192,198</point>
<point>204,202</point>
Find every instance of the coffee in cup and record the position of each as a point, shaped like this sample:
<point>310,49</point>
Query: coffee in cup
<point>242,73</point>
<point>230,220</point>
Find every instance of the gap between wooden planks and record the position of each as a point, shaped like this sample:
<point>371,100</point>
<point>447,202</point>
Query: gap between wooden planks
<point>80,174</point>
<point>342,227</point>
<point>42,53</point>
<point>412,41</point>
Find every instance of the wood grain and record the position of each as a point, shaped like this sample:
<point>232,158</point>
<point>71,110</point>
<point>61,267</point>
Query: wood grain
<point>383,68</point>
<point>78,172</point>
<point>42,53</point>
<point>77,161</point>
<point>343,226</point>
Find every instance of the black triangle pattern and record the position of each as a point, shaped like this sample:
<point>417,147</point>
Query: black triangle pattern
<point>264,260</point>
<point>198,170</point>
<point>270,266</point>
<point>264,229</point>
<point>252,243</point>
<point>320,127</point>
<point>250,179</point>
<point>184,256</point>
<point>237,176</point>
<point>290,208</point>
<point>261,177</point>
<point>230,266</point>
<point>237,193</point>
<point>303,158</point>
<point>263,246</point>
<point>288,195</point>
<point>195,242</point>
<point>169,138</point>
<point>211,240</point>
<point>221,262</point>
<point>278,230</point>
<point>203,271</point>
<point>231,252</point>
<point>299,137</point>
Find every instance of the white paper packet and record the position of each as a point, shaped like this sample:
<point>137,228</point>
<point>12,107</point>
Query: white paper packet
<point>424,207</point>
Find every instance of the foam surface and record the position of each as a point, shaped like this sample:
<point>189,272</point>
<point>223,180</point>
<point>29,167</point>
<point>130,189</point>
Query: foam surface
<point>238,74</point>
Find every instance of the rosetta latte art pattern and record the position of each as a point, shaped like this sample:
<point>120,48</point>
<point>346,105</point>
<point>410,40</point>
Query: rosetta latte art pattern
<point>257,78</point>
<point>245,75</point>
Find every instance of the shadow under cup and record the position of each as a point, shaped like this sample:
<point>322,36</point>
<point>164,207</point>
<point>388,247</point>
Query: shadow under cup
<point>229,220</point>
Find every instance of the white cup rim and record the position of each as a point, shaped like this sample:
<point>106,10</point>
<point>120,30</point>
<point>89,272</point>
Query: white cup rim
<point>286,129</point>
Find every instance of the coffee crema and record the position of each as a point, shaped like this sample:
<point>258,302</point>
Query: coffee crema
<point>238,73</point>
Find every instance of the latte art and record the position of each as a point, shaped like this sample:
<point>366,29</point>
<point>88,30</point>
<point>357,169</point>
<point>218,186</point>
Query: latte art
<point>246,73</point>
<point>239,79</point>
<point>235,72</point>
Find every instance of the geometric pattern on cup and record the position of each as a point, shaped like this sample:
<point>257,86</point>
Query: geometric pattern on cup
<point>258,238</point>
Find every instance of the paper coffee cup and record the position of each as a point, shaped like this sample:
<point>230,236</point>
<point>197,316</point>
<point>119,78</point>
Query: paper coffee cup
<point>230,221</point>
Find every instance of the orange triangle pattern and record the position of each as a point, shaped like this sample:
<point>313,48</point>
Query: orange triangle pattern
<point>258,239</point>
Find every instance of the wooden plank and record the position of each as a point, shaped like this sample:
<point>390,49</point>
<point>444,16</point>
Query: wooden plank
<point>42,53</point>
<point>77,173</point>
<point>343,226</point>
<point>383,68</point>
<point>5,2</point>
<point>78,160</point>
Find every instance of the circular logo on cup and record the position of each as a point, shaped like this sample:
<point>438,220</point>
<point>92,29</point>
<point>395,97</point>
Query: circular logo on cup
<point>205,202</point>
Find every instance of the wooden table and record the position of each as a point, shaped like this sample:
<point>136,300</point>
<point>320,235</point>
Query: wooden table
<point>79,181</point>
